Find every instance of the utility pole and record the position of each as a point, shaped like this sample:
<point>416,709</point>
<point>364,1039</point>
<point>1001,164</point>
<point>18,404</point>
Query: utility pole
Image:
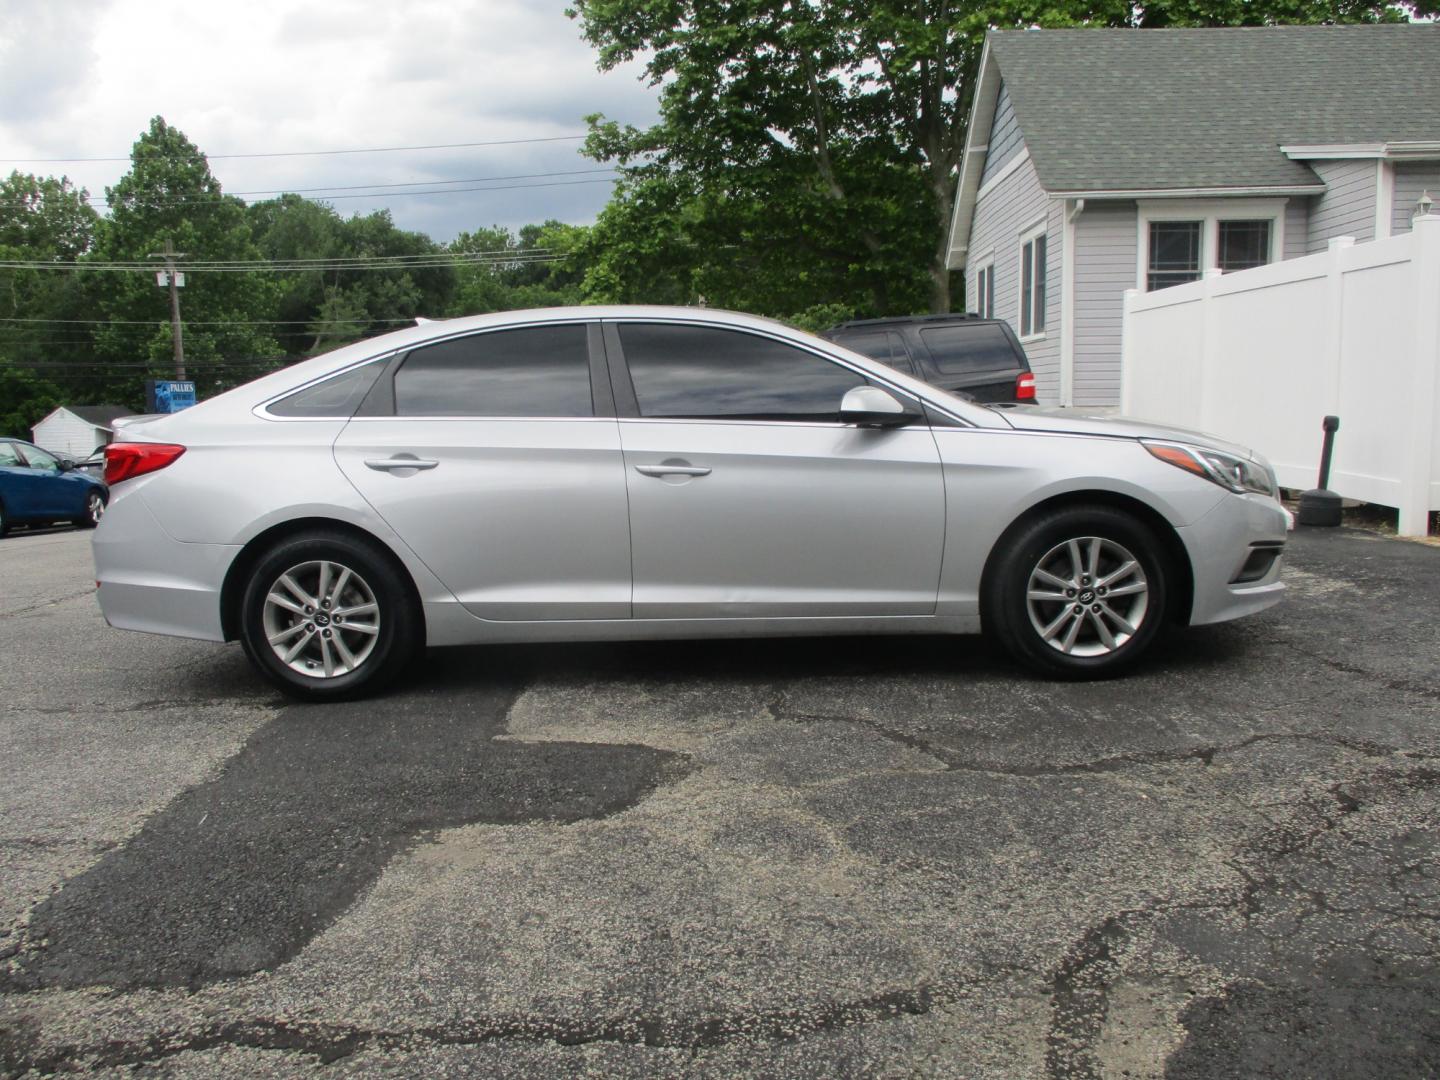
<point>173,278</point>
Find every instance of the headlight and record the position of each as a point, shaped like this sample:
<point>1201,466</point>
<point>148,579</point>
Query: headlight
<point>1230,472</point>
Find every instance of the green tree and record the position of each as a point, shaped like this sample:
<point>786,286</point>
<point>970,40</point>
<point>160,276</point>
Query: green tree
<point>44,338</point>
<point>803,126</point>
<point>541,266</point>
<point>170,195</point>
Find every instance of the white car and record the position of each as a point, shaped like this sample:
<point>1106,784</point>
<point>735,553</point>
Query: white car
<point>645,472</point>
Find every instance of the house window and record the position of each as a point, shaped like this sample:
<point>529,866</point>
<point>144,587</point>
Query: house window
<point>1183,239</point>
<point>1174,253</point>
<point>1243,244</point>
<point>985,291</point>
<point>1032,285</point>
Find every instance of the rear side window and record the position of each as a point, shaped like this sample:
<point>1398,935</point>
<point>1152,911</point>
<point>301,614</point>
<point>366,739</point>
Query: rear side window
<point>883,346</point>
<point>533,371</point>
<point>338,396</point>
<point>706,373</point>
<point>958,350</point>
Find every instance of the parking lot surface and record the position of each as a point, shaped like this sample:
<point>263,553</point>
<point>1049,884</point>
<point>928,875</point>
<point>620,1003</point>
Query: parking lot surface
<point>867,857</point>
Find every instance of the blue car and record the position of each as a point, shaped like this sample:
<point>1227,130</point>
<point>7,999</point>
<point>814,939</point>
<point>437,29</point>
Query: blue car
<point>37,488</point>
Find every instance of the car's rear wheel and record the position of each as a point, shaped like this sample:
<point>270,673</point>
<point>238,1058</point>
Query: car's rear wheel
<point>328,616</point>
<point>4,520</point>
<point>1078,593</point>
<point>94,511</point>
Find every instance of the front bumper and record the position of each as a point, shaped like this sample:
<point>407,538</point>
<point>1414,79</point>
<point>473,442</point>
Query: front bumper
<point>1220,544</point>
<point>147,580</point>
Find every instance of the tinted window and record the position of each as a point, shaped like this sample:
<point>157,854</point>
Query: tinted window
<point>537,371</point>
<point>706,373</point>
<point>885,347</point>
<point>339,395</point>
<point>958,350</point>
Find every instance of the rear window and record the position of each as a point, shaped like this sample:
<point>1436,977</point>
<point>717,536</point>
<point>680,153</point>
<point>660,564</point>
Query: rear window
<point>880,345</point>
<point>963,349</point>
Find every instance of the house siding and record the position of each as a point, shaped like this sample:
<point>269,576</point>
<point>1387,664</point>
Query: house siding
<point>1411,180</point>
<point>1348,206</point>
<point>1012,207</point>
<point>1297,228</point>
<point>1005,138</point>
<point>1106,255</point>
<point>67,435</point>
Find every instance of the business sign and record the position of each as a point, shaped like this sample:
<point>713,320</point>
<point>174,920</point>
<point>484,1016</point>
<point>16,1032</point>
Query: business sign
<point>168,395</point>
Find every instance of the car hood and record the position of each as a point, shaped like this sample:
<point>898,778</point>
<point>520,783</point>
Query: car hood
<point>1069,422</point>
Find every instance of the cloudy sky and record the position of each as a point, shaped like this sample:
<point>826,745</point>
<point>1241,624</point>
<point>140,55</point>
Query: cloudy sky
<point>82,78</point>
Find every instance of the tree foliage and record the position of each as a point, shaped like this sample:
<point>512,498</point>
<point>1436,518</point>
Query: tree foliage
<point>825,128</point>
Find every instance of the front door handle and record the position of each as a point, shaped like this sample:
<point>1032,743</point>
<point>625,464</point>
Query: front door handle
<point>672,470</point>
<point>400,461</point>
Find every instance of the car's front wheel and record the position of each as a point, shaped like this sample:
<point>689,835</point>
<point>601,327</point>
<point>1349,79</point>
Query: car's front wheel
<point>327,616</point>
<point>1080,592</point>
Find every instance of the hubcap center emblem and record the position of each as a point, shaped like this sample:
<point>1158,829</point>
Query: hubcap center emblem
<point>1087,596</point>
<point>321,619</point>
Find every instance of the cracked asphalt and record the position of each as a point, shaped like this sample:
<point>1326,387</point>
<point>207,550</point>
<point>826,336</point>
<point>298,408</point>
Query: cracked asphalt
<point>868,857</point>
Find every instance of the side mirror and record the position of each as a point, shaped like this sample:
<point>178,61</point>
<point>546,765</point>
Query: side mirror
<point>870,406</point>
<point>65,463</point>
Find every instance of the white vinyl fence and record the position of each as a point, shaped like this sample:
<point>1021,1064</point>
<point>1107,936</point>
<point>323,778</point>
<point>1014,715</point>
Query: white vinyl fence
<point>1260,357</point>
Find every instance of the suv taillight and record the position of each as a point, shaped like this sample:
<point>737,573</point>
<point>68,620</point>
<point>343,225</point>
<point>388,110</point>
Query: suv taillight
<point>124,460</point>
<point>1025,387</point>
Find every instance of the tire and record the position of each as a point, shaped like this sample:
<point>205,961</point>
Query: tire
<point>4,521</point>
<point>309,650</point>
<point>1105,614</point>
<point>94,511</point>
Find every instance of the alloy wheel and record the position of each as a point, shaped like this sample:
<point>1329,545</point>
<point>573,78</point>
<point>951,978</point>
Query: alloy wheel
<point>95,507</point>
<point>1087,596</point>
<point>321,619</point>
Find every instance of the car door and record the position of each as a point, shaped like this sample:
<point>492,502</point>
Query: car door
<point>749,498</point>
<point>18,483</point>
<point>496,457</point>
<point>49,491</point>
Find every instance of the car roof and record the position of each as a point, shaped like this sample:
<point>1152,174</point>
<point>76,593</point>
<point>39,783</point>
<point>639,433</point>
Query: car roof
<point>910,320</point>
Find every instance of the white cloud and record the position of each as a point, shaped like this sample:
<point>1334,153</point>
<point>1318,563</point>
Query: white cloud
<point>277,75</point>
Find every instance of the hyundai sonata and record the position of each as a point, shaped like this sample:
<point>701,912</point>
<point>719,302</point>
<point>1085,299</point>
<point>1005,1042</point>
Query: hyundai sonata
<point>636,472</point>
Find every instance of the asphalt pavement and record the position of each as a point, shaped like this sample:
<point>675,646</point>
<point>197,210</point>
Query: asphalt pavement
<point>865,857</point>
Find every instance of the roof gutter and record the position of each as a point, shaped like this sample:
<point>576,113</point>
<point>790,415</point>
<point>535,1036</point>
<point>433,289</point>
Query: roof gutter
<point>1193,192</point>
<point>1409,150</point>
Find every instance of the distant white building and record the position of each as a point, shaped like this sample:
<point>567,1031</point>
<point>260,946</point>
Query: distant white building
<point>77,430</point>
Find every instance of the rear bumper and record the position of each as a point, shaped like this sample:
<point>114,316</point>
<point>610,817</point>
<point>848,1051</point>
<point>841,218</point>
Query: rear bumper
<point>147,580</point>
<point>1220,543</point>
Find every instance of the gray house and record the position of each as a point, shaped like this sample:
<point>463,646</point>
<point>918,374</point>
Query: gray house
<point>1104,160</point>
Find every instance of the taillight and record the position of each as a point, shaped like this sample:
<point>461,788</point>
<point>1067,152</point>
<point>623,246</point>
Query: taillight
<point>1025,387</point>
<point>126,459</point>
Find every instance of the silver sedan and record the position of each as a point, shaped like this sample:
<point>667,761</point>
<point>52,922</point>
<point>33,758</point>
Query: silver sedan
<point>635,472</point>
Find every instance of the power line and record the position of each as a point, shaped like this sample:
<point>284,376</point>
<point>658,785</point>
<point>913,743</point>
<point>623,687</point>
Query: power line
<point>320,153</point>
<point>290,267</point>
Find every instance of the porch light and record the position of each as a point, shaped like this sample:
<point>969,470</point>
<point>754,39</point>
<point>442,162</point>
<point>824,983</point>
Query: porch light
<point>1423,205</point>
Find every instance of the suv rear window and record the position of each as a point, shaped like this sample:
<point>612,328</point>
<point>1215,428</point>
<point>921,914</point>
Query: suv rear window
<point>977,347</point>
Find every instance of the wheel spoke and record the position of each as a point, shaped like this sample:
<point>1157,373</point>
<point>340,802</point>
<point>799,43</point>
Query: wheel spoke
<point>1128,590</point>
<point>1040,594</point>
<point>281,600</point>
<point>346,656</point>
<point>1127,567</point>
<point>1072,633</point>
<point>1077,564</point>
<point>358,609</point>
<point>322,587</point>
<point>363,628</point>
<point>338,590</point>
<point>1093,568</point>
<point>1051,630</point>
<point>1052,579</point>
<point>327,657</point>
<point>1119,620</point>
<point>286,635</point>
<point>296,591</point>
<point>1104,631</point>
<point>294,650</point>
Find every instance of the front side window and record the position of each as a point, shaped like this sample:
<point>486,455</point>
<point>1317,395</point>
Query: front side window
<point>9,459</point>
<point>1174,253</point>
<point>40,460</point>
<point>1243,245</point>
<point>531,371</point>
<point>1032,286</point>
<point>707,373</point>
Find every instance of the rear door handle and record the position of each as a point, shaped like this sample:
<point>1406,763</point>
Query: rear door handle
<point>400,461</point>
<point>672,470</point>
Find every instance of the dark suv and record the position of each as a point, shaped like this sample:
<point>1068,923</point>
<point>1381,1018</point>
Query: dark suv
<point>964,354</point>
